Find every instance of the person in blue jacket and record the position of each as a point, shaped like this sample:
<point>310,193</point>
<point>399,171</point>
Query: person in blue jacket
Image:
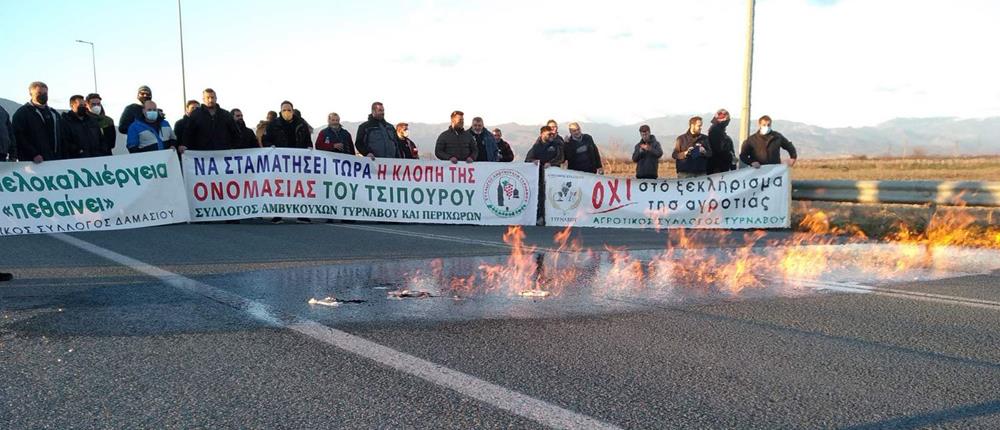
<point>150,132</point>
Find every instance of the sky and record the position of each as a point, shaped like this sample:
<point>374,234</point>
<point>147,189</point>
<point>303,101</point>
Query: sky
<point>832,63</point>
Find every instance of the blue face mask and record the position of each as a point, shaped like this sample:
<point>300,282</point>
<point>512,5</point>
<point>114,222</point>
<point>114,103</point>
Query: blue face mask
<point>152,115</point>
<point>765,130</point>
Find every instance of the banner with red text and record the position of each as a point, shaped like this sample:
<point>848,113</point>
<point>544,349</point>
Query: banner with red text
<point>304,183</point>
<point>741,199</point>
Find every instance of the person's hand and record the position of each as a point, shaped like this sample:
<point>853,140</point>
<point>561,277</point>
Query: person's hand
<point>547,165</point>
<point>536,162</point>
<point>469,160</point>
<point>181,149</point>
<point>338,146</point>
<point>371,156</point>
<point>644,147</point>
<point>701,149</point>
<point>791,162</point>
<point>755,165</point>
<point>600,171</point>
<point>453,160</point>
<point>38,159</point>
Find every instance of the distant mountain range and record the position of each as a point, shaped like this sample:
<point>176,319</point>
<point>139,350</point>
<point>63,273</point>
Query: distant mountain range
<point>898,137</point>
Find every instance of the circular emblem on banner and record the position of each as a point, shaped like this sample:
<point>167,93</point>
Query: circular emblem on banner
<point>506,193</point>
<point>565,196</point>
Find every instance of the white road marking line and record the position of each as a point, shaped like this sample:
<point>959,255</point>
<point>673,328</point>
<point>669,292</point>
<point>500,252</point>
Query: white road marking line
<point>836,286</point>
<point>494,395</point>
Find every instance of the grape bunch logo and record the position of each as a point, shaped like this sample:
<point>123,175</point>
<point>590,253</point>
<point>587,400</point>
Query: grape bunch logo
<point>506,193</point>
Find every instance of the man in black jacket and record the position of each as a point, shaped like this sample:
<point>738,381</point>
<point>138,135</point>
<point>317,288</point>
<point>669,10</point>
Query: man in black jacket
<point>96,111</point>
<point>723,158</point>
<point>456,143</point>
<point>409,146</point>
<point>764,146</point>
<point>288,130</point>
<point>211,128</point>
<point>181,124</point>
<point>376,137</point>
<point>134,110</point>
<point>546,152</point>
<point>506,153</point>
<point>692,151</point>
<point>581,152</point>
<point>247,138</point>
<point>81,133</point>
<point>37,128</point>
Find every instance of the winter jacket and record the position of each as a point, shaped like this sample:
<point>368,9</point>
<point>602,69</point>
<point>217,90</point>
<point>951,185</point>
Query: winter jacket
<point>409,148</point>
<point>144,137</point>
<point>582,155</point>
<point>457,144</point>
<point>37,131</point>
<point>328,137</point>
<point>687,152</point>
<point>288,134</point>
<point>546,152</point>
<point>179,127</point>
<point>247,138</point>
<point>131,113</point>
<point>8,146</point>
<point>766,149</point>
<point>261,130</point>
<point>207,132</point>
<point>378,137</point>
<point>723,158</point>
<point>647,161</point>
<point>486,146</point>
<point>82,136</point>
<point>109,135</point>
<point>506,153</point>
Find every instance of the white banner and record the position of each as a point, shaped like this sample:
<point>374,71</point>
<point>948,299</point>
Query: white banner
<point>92,194</point>
<point>303,183</point>
<point>741,199</point>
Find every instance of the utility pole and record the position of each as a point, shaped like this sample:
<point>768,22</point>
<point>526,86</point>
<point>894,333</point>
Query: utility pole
<point>180,25</point>
<point>93,60</point>
<point>747,74</point>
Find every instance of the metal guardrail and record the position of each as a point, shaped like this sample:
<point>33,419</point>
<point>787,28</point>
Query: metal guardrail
<point>950,193</point>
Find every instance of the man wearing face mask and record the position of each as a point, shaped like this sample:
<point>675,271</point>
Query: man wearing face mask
<point>134,111</point>
<point>581,152</point>
<point>409,147</point>
<point>486,145</point>
<point>455,143</point>
<point>764,146</point>
<point>81,134</point>
<point>335,138</point>
<point>376,137</point>
<point>691,151</point>
<point>506,153</point>
<point>723,158</point>
<point>211,128</point>
<point>246,138</point>
<point>8,147</point>
<point>288,130</point>
<point>151,133</point>
<point>181,125</point>
<point>37,128</point>
<point>107,125</point>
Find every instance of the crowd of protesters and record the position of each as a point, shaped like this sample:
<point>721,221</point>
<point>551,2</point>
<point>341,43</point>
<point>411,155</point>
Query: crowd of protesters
<point>37,132</point>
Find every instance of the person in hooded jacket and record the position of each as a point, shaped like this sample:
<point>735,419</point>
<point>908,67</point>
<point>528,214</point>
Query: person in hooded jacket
<point>335,138</point>
<point>133,111</point>
<point>81,133</point>
<point>376,138</point>
<point>723,157</point>
<point>247,138</point>
<point>181,125</point>
<point>37,127</point>
<point>409,146</point>
<point>288,130</point>
<point>8,147</point>
<point>210,128</point>
<point>109,134</point>
<point>581,152</point>
<point>647,155</point>
<point>764,146</point>
<point>692,151</point>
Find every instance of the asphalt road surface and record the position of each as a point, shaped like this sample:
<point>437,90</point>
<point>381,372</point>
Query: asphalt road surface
<point>208,326</point>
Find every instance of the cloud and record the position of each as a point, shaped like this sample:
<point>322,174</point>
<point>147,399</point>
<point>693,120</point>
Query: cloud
<point>823,2</point>
<point>562,31</point>
<point>445,60</point>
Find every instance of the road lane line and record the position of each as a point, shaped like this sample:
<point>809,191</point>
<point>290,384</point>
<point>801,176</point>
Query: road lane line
<point>494,395</point>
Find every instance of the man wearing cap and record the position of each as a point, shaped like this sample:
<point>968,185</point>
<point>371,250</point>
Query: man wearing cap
<point>134,110</point>
<point>723,157</point>
<point>106,124</point>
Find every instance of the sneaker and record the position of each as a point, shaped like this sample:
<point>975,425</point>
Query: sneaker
<point>303,220</point>
<point>276,220</point>
<point>5,277</point>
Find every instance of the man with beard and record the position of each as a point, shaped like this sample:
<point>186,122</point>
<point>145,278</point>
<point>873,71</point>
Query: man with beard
<point>691,151</point>
<point>647,155</point>
<point>181,125</point>
<point>334,137</point>
<point>723,157</point>
<point>134,111</point>
<point>211,127</point>
<point>37,128</point>
<point>506,153</point>
<point>246,138</point>
<point>547,151</point>
<point>764,146</point>
<point>486,145</point>
<point>81,134</point>
<point>456,143</point>
<point>376,137</point>
<point>288,130</point>
<point>409,147</point>
<point>96,110</point>
<point>581,152</point>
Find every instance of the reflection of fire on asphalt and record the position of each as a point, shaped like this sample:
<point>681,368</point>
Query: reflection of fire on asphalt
<point>326,301</point>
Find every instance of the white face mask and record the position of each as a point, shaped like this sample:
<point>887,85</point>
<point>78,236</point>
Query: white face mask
<point>152,115</point>
<point>765,130</point>
<point>95,109</point>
